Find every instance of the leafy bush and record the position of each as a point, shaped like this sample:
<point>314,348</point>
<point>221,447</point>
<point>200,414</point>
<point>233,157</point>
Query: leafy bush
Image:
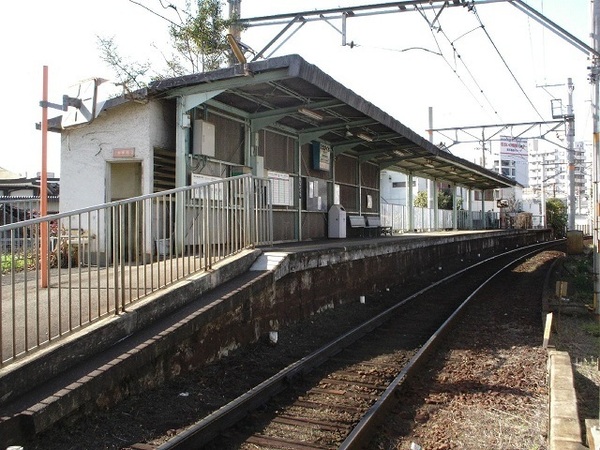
<point>556,212</point>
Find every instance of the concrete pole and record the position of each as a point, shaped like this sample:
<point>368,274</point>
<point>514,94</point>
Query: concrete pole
<point>544,220</point>
<point>570,124</point>
<point>595,67</point>
<point>235,10</point>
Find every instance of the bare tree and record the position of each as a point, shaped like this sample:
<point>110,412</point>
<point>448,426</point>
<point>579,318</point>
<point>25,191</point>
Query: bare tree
<point>198,44</point>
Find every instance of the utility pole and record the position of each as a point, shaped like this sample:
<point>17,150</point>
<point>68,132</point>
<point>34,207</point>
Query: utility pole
<point>235,10</point>
<point>595,69</point>
<point>570,125</point>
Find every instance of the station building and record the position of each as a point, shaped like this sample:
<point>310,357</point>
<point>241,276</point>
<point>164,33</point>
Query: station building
<point>282,119</point>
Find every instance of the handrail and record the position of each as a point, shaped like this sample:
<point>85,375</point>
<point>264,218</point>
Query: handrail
<point>103,258</point>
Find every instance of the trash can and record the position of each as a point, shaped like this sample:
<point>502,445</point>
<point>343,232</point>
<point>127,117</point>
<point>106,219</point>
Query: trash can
<point>336,222</point>
<point>163,247</point>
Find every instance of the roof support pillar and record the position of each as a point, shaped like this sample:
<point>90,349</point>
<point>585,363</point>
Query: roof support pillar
<point>298,150</point>
<point>185,103</point>
<point>435,224</point>
<point>359,177</point>
<point>454,207</point>
<point>410,203</point>
<point>470,198</point>
<point>483,216</point>
<point>248,141</point>
<point>182,139</point>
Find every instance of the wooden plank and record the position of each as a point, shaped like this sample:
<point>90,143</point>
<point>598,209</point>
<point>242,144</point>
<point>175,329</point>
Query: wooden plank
<point>547,330</point>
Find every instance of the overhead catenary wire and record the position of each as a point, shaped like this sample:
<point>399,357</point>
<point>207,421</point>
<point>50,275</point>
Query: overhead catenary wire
<point>457,55</point>
<point>464,64</point>
<point>506,65</point>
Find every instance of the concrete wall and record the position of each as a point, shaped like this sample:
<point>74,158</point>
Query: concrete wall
<point>211,324</point>
<point>308,282</point>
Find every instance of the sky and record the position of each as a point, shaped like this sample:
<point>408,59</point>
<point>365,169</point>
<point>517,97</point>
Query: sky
<point>491,66</point>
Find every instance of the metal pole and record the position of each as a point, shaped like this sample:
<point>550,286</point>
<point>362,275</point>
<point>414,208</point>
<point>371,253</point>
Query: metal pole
<point>570,124</point>
<point>44,185</point>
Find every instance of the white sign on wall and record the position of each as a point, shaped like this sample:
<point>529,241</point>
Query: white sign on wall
<point>282,188</point>
<point>212,192</point>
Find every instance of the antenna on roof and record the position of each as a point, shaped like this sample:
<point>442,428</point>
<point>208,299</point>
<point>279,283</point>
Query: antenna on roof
<point>81,104</point>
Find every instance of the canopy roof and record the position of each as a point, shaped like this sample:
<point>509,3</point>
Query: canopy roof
<point>294,96</point>
<point>298,98</point>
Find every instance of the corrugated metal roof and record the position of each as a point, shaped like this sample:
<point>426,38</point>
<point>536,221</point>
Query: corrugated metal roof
<point>274,90</point>
<point>272,93</point>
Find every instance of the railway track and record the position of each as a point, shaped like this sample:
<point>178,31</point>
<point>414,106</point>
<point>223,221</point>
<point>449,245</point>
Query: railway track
<point>334,397</point>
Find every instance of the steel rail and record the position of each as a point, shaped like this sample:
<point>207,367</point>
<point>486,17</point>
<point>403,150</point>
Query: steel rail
<point>363,430</point>
<point>225,417</point>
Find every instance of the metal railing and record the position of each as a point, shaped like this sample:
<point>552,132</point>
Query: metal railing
<point>18,209</point>
<point>396,216</point>
<point>98,260</point>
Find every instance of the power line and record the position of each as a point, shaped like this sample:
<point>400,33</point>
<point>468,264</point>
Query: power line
<point>506,64</point>
<point>461,60</point>
<point>157,14</point>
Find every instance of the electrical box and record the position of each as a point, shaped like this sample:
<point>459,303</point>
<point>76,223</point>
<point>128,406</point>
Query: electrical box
<point>204,138</point>
<point>258,169</point>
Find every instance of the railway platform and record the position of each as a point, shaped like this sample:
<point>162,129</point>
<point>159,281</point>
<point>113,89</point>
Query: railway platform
<point>238,301</point>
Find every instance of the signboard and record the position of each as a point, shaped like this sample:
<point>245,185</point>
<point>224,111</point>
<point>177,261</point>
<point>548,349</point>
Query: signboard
<point>321,156</point>
<point>513,159</point>
<point>123,152</point>
<point>282,188</point>
<point>214,190</point>
<point>514,148</point>
<point>502,203</point>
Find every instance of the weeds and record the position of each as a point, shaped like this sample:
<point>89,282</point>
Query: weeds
<point>16,262</point>
<point>592,329</point>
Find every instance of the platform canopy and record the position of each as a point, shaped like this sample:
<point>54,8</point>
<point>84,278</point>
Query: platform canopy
<point>289,94</point>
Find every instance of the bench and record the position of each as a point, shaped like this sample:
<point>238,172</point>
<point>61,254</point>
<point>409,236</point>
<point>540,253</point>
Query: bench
<point>357,222</point>
<point>374,223</point>
<point>370,223</point>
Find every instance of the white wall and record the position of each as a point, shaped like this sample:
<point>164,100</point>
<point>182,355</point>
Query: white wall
<point>86,150</point>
